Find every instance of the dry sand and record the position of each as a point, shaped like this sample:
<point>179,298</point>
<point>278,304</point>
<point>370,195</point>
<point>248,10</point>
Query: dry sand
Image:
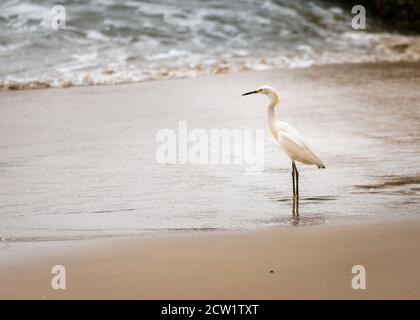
<point>307,262</point>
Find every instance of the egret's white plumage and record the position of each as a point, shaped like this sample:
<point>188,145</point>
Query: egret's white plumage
<point>287,137</point>
<point>292,144</point>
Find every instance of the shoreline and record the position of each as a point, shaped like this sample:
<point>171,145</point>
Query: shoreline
<point>313,262</point>
<point>338,222</point>
<point>16,86</point>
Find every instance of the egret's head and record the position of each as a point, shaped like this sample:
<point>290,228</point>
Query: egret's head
<point>267,90</point>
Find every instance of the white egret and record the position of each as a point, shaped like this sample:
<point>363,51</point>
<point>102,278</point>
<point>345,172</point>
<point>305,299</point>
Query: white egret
<point>288,138</point>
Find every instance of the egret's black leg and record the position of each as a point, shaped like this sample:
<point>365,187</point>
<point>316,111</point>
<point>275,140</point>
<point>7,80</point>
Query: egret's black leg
<point>293,179</point>
<point>297,182</point>
<point>295,175</point>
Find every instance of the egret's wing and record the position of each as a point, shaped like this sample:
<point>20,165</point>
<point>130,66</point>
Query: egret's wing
<point>295,147</point>
<point>293,134</point>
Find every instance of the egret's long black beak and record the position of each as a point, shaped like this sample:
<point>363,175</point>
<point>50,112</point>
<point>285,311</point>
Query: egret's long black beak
<point>251,92</point>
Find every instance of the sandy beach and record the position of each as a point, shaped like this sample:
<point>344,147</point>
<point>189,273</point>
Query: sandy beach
<point>277,263</point>
<point>362,211</point>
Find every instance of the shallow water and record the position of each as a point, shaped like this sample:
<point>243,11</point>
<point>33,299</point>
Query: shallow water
<point>80,162</point>
<point>110,41</point>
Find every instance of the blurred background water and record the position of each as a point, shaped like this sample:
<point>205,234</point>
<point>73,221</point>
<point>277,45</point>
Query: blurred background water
<point>110,41</point>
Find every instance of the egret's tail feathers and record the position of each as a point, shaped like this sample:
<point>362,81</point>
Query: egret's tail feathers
<point>320,164</point>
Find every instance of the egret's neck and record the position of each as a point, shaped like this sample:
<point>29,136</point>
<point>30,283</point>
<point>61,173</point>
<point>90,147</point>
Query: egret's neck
<point>274,100</point>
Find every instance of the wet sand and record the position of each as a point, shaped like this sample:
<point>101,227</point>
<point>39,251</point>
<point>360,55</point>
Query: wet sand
<point>79,163</point>
<point>313,262</point>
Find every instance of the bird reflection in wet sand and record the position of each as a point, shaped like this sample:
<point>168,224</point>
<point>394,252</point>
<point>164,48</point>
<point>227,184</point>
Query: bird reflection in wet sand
<point>295,211</point>
<point>309,217</point>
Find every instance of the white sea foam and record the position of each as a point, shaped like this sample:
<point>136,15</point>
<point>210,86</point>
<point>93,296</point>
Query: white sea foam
<point>124,41</point>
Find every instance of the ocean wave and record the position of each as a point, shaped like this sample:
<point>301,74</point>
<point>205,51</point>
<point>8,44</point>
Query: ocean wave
<point>384,48</point>
<point>113,42</point>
